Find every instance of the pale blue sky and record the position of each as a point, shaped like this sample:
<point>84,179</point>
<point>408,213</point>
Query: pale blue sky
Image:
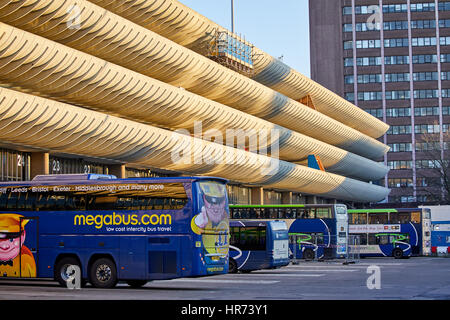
<point>277,27</point>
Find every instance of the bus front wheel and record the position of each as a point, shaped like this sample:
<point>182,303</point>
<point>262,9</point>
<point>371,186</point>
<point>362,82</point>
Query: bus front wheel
<point>397,253</point>
<point>61,270</point>
<point>103,273</point>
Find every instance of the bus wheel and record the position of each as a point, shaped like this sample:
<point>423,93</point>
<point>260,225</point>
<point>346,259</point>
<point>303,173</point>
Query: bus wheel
<point>61,273</point>
<point>103,273</point>
<point>308,254</point>
<point>136,283</point>
<point>232,266</point>
<point>397,253</point>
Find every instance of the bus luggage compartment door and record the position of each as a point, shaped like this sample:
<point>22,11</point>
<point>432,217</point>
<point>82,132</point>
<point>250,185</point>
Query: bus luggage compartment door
<point>132,257</point>
<point>169,256</point>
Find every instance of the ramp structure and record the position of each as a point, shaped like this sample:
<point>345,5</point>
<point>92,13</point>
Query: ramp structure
<point>143,82</point>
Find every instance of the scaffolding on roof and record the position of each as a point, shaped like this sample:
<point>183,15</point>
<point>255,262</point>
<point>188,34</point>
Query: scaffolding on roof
<point>232,52</point>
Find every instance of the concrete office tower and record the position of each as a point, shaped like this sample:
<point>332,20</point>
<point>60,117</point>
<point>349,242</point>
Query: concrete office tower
<point>392,59</point>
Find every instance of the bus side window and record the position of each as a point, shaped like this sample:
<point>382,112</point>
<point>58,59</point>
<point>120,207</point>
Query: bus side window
<point>51,202</point>
<point>378,218</point>
<point>383,239</point>
<point>405,217</point>
<point>179,203</point>
<point>287,214</point>
<point>323,213</point>
<point>104,202</point>
<point>168,204</point>
<point>12,201</point>
<point>301,213</point>
<point>3,200</point>
<point>353,218</point>
<point>174,204</point>
<point>70,203</point>
<point>359,218</point>
<point>262,238</point>
<point>415,217</point>
<point>137,203</point>
<point>55,202</point>
<point>362,238</point>
<point>22,197</point>
<point>394,218</point>
<point>262,213</point>
<point>294,213</point>
<point>147,204</point>
<point>158,203</point>
<point>41,201</point>
<point>235,236</point>
<point>30,202</point>
<point>372,239</point>
<point>80,201</point>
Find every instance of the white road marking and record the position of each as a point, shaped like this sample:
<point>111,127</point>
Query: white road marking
<point>357,265</point>
<point>268,274</point>
<point>313,270</point>
<point>223,281</point>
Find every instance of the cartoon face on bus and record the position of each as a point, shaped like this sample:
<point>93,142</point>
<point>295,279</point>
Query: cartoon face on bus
<point>212,221</point>
<point>213,209</point>
<point>16,260</point>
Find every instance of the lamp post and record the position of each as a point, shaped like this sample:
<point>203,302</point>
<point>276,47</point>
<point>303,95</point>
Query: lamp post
<point>232,16</point>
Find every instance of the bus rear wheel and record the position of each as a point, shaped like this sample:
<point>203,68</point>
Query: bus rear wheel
<point>103,273</point>
<point>308,254</point>
<point>397,253</point>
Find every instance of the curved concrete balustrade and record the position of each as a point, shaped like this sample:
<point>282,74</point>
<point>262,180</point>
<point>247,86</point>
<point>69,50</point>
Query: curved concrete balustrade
<point>115,39</point>
<point>58,127</point>
<point>188,28</point>
<point>43,66</point>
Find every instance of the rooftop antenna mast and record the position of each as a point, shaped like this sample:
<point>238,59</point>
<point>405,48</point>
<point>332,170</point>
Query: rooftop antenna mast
<point>232,16</point>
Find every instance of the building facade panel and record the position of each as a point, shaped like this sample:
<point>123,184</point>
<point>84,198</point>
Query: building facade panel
<point>108,92</point>
<point>190,29</point>
<point>94,83</point>
<point>76,130</point>
<point>412,55</point>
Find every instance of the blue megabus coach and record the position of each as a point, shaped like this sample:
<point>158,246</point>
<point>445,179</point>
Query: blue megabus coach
<point>111,230</point>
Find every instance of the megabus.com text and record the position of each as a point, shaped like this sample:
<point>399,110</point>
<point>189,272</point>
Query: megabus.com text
<point>116,219</point>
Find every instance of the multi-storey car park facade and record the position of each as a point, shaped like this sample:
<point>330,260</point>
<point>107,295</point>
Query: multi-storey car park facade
<point>131,89</point>
<point>392,59</point>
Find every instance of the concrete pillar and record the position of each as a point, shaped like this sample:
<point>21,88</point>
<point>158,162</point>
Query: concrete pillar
<point>40,163</point>
<point>257,195</point>
<point>286,198</point>
<point>118,170</point>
